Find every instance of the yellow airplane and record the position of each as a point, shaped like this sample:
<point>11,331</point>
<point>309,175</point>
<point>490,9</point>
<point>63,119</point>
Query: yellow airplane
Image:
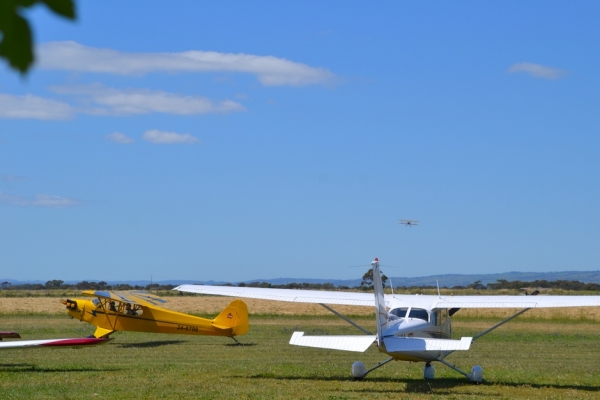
<point>139,311</point>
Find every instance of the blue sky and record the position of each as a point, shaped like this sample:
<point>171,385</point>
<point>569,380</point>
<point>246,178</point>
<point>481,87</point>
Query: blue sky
<point>186,140</point>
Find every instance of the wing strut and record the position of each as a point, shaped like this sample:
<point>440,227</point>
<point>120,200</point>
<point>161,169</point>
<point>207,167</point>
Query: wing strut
<point>454,367</point>
<point>354,324</point>
<point>363,373</point>
<point>499,324</point>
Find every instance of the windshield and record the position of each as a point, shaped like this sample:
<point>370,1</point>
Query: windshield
<point>418,313</point>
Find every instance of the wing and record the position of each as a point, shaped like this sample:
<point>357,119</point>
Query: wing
<point>291,295</point>
<point>418,301</point>
<point>138,297</point>
<point>79,342</point>
<point>392,344</point>
<point>432,301</point>
<point>347,343</point>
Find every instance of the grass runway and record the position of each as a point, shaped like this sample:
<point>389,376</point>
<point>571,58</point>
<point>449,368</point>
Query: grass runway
<point>529,358</point>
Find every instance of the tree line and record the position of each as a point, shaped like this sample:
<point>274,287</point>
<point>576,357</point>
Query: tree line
<point>83,285</point>
<point>366,285</point>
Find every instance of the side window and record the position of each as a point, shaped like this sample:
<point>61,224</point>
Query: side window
<point>438,317</point>
<point>444,316</point>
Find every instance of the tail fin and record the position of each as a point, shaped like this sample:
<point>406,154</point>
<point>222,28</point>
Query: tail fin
<point>234,317</point>
<point>379,302</point>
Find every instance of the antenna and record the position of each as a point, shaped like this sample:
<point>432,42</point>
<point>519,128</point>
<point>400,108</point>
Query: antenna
<point>438,286</point>
<point>392,286</point>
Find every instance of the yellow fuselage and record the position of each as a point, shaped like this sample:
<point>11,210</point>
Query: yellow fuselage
<point>159,320</point>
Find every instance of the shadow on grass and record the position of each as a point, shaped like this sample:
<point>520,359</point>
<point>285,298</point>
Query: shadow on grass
<point>436,386</point>
<point>150,344</point>
<point>32,368</point>
<point>239,344</point>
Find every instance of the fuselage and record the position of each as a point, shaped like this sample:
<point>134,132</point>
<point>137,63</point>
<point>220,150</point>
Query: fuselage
<point>408,322</point>
<point>126,317</point>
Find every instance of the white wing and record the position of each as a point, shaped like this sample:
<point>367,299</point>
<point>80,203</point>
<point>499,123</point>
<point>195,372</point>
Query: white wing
<point>432,301</point>
<point>291,295</point>
<point>418,301</point>
<point>348,343</point>
<point>77,342</point>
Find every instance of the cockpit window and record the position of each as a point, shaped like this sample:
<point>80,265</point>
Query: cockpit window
<point>399,312</point>
<point>418,313</point>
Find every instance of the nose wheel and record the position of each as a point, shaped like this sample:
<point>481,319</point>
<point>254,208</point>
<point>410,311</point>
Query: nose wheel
<point>428,371</point>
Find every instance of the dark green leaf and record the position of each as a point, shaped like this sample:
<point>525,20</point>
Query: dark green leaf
<point>66,8</point>
<point>16,42</point>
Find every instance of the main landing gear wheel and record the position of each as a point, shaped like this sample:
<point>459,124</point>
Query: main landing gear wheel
<point>476,375</point>
<point>359,371</point>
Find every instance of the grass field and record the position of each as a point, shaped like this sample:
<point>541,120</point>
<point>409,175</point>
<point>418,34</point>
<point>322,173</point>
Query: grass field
<point>550,354</point>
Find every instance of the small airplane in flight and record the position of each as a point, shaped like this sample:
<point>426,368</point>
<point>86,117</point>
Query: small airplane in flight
<point>416,327</point>
<point>139,311</point>
<point>409,222</point>
<point>47,343</point>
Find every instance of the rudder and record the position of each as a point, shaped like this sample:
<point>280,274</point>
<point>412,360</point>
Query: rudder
<point>235,317</point>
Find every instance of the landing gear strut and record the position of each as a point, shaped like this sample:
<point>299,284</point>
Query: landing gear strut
<point>359,371</point>
<point>476,375</point>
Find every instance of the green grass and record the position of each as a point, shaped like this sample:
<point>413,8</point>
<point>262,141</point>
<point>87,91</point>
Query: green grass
<point>524,359</point>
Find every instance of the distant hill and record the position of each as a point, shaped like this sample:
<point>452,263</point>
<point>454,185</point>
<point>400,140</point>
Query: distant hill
<point>445,280</point>
<point>449,280</point>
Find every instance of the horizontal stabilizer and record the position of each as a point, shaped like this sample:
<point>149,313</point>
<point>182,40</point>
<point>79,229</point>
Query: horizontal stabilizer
<point>347,343</point>
<point>401,344</point>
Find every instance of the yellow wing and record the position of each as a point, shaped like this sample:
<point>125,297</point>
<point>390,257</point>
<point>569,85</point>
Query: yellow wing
<point>138,297</point>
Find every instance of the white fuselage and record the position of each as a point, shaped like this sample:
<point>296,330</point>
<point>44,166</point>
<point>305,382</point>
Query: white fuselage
<point>408,322</point>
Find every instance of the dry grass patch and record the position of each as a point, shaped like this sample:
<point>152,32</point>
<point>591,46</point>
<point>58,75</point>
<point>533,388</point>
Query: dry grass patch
<point>31,305</point>
<point>212,305</point>
<point>203,305</point>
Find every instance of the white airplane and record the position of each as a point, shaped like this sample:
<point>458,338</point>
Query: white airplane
<point>416,327</point>
<point>47,343</point>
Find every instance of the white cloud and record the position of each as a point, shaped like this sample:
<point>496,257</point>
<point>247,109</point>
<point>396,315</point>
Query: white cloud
<point>119,137</point>
<point>271,71</point>
<point>40,200</point>
<point>12,178</point>
<point>43,200</point>
<point>33,107</point>
<point>537,70</point>
<point>164,137</point>
<point>111,101</point>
